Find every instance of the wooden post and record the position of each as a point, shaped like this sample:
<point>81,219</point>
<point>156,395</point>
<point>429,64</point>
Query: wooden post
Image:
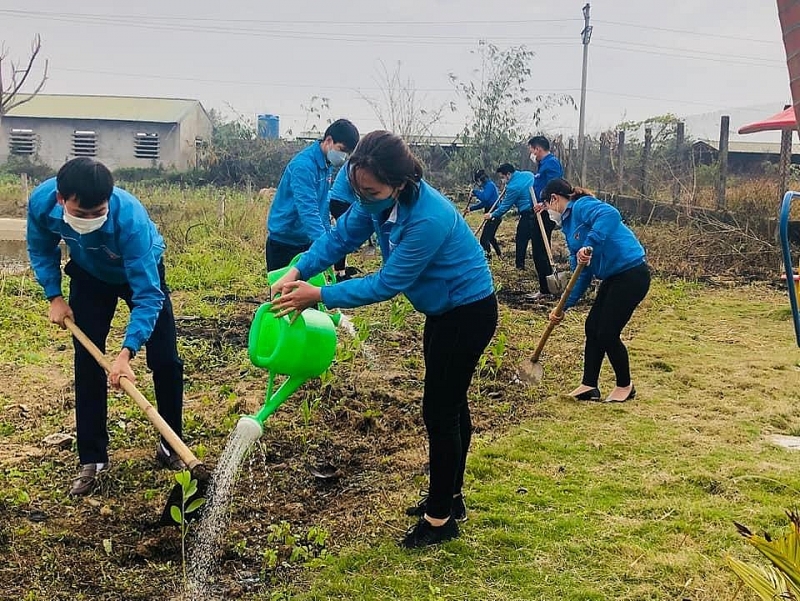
<point>724,130</point>
<point>677,168</point>
<point>571,159</point>
<point>648,145</point>
<point>605,159</point>
<point>620,160</point>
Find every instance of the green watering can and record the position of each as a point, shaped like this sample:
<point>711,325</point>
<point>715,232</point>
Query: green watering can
<point>326,278</point>
<point>301,349</point>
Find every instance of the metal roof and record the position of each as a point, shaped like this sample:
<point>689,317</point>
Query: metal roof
<point>751,147</point>
<point>105,108</point>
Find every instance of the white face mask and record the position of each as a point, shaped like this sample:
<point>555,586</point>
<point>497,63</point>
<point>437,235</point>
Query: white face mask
<point>555,216</point>
<point>533,157</point>
<point>336,157</point>
<point>84,226</point>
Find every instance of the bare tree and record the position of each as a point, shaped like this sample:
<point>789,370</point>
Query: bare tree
<point>11,94</point>
<point>400,109</point>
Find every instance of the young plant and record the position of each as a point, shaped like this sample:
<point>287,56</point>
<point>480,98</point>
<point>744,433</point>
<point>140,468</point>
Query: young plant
<point>781,580</point>
<point>498,352</point>
<point>179,512</point>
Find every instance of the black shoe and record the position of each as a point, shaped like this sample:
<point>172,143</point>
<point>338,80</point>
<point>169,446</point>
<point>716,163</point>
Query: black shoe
<point>458,511</point>
<point>423,534</point>
<point>589,395</point>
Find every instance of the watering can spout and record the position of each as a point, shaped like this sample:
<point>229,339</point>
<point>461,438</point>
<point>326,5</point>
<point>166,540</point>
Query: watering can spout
<point>249,424</point>
<point>273,401</point>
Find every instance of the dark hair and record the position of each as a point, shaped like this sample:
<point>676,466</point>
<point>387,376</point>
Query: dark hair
<point>479,176</point>
<point>562,187</point>
<point>390,160</point>
<point>541,142</point>
<point>506,169</point>
<point>343,132</point>
<point>89,181</point>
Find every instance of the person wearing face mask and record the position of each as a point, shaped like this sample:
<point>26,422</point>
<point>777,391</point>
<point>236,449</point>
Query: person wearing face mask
<point>486,193</point>
<point>430,255</point>
<point>340,198</point>
<point>548,168</point>
<point>517,194</point>
<point>299,212</point>
<point>116,252</point>
<point>618,259</point>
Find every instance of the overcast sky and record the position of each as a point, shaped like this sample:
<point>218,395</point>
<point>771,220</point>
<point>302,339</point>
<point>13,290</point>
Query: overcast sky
<point>646,57</point>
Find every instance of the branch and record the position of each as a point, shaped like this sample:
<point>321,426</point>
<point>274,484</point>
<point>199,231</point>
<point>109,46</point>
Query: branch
<point>7,97</point>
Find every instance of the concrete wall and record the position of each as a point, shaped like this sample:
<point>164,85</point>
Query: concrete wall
<point>115,140</point>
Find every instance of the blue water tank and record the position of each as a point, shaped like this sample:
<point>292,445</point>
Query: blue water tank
<point>268,127</point>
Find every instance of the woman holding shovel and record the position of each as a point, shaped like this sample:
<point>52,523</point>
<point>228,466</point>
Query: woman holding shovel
<point>431,256</point>
<point>618,259</point>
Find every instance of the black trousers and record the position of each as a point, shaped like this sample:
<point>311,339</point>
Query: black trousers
<point>279,255</point>
<point>488,239</point>
<point>452,345</point>
<point>616,300</point>
<point>339,208</point>
<point>540,259</point>
<point>93,303</point>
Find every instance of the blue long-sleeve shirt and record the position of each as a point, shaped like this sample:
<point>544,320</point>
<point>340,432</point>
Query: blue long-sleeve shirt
<point>549,169</point>
<point>429,254</point>
<point>518,194</point>
<point>590,222</point>
<point>341,189</point>
<point>486,196</point>
<point>125,250</point>
<point>300,209</point>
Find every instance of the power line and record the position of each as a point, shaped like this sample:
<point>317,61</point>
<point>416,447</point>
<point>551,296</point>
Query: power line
<point>684,49</point>
<point>692,57</point>
<point>688,32</point>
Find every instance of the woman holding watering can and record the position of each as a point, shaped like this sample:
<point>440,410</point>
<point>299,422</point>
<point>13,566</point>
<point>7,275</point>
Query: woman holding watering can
<point>618,259</point>
<point>431,256</point>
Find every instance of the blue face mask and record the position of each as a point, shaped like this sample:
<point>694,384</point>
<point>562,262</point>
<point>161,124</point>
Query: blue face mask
<point>376,207</point>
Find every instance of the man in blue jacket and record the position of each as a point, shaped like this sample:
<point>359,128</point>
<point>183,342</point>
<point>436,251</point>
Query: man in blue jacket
<point>115,252</point>
<point>486,194</point>
<point>299,211</point>
<point>517,194</point>
<point>340,198</point>
<point>548,169</point>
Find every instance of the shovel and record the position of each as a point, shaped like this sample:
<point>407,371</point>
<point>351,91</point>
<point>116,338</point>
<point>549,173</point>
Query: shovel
<point>196,467</point>
<point>558,279</point>
<point>530,370</point>
<point>493,207</point>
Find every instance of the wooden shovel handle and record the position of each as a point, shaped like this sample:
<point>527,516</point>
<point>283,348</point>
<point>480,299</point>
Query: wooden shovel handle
<point>150,412</point>
<point>492,208</point>
<point>544,232</point>
<point>559,310</point>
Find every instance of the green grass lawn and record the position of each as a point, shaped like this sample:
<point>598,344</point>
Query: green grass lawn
<point>633,501</point>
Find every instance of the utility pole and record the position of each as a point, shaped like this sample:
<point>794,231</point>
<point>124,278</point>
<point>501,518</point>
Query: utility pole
<point>586,38</point>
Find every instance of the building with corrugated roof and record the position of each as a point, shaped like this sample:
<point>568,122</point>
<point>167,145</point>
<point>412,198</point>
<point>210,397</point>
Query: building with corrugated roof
<point>119,131</point>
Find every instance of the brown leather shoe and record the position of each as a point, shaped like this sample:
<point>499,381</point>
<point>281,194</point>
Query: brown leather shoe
<point>87,478</point>
<point>169,460</point>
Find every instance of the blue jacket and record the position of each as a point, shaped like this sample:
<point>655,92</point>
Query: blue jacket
<point>549,169</point>
<point>518,193</point>
<point>590,222</point>
<point>299,211</point>
<point>126,250</point>
<point>341,189</point>
<point>429,254</point>
<point>486,196</point>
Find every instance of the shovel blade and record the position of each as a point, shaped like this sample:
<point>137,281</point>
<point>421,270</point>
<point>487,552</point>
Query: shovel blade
<point>203,477</point>
<point>557,282</point>
<point>531,372</point>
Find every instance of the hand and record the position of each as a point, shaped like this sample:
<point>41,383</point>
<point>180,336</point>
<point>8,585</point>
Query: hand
<point>584,256</point>
<point>296,296</point>
<point>121,368</point>
<point>538,207</point>
<point>277,287</point>
<point>487,216</point>
<point>59,309</point>
<point>556,318</point>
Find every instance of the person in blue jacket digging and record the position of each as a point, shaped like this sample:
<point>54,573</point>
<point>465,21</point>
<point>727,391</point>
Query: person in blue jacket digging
<point>299,213</point>
<point>115,253</point>
<point>485,191</point>
<point>618,259</point>
<point>431,256</point>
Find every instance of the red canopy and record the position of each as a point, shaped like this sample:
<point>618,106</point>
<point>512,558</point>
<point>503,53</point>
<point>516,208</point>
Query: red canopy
<point>783,120</point>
